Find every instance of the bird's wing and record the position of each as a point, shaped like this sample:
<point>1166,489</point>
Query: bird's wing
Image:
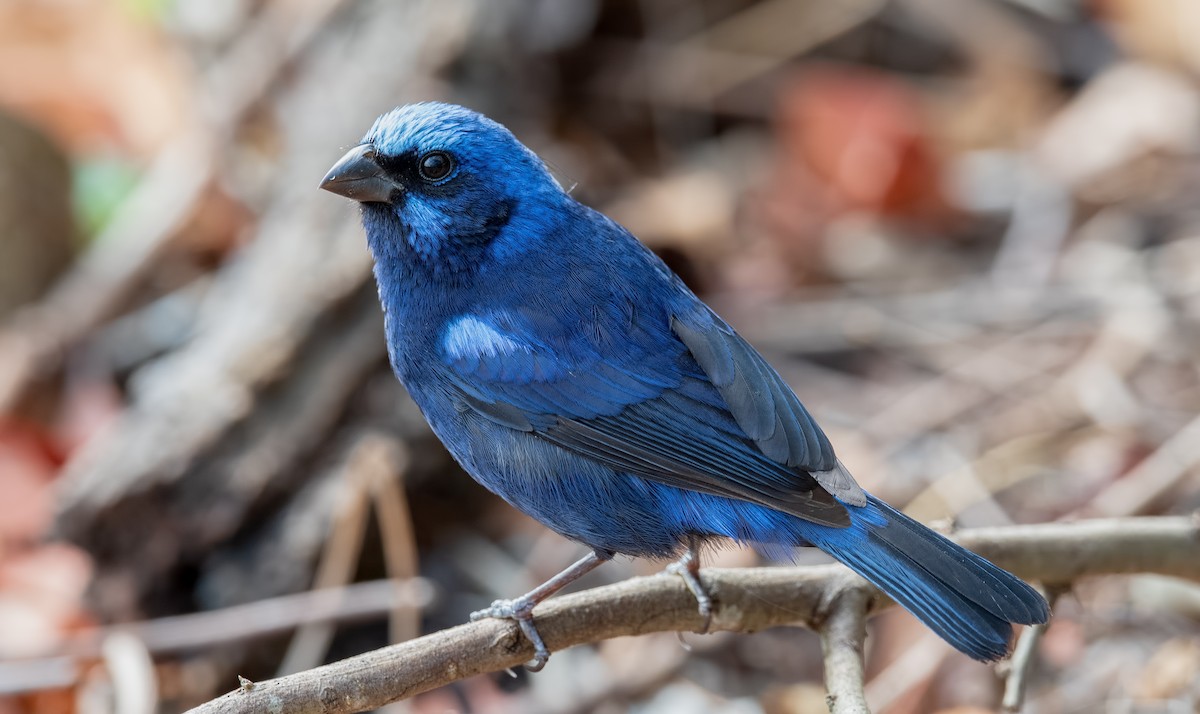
<point>763,405</point>
<point>688,404</point>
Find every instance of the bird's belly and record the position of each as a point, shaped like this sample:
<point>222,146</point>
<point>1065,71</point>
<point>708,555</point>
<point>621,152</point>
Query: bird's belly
<point>572,495</point>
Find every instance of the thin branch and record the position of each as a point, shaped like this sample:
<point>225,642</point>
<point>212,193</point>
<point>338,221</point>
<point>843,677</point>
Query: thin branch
<point>397,534</point>
<point>843,637</point>
<point>131,672</point>
<point>366,461</point>
<point>1152,478</point>
<point>1022,662</point>
<point>748,600</point>
<point>237,623</point>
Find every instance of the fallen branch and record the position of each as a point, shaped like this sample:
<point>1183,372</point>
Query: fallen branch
<point>747,600</point>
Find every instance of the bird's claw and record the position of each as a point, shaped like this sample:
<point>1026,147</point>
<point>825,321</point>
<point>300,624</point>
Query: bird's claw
<point>686,568</point>
<point>519,610</point>
<point>516,609</point>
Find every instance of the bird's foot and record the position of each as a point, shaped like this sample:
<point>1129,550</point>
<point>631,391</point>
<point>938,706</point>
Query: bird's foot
<point>519,610</point>
<point>688,568</point>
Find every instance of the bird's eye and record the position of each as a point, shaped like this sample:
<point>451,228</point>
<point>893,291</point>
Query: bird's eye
<point>435,166</point>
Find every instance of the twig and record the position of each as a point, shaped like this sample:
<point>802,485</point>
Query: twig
<point>397,533</point>
<point>366,460</point>
<point>278,614</point>
<point>38,674</point>
<point>994,372</point>
<point>238,623</point>
<point>843,637</point>
<point>739,49</point>
<point>751,599</point>
<point>824,323</point>
<point>1014,686</point>
<point>131,671</point>
<point>1152,478</point>
<point>1021,663</point>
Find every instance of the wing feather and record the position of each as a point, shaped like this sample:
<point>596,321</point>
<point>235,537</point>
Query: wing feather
<point>695,407</point>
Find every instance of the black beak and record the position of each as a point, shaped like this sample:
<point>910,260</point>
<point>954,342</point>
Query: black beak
<point>359,176</point>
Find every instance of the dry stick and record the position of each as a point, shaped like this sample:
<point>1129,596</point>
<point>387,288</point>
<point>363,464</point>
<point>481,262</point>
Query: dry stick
<point>1116,350</point>
<point>1153,477</point>
<point>749,600</point>
<point>997,468</point>
<point>1022,662</point>
<point>824,323</point>
<point>399,541</point>
<point>396,532</point>
<point>131,673</point>
<point>718,54</point>
<point>238,623</point>
<point>1014,686</point>
<point>997,371</point>
<point>843,637</point>
<point>367,460</point>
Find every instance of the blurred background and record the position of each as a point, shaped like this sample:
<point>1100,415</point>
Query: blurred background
<point>966,231</point>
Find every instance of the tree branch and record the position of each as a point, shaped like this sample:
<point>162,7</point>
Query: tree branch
<point>843,637</point>
<point>747,600</point>
<point>1022,661</point>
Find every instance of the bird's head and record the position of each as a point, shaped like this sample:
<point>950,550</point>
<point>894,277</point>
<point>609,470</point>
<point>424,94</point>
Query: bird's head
<point>439,183</point>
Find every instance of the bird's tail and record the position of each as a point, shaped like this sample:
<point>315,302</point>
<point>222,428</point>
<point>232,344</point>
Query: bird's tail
<point>959,595</point>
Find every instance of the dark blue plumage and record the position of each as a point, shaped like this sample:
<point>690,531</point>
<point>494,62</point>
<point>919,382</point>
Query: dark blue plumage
<point>569,371</point>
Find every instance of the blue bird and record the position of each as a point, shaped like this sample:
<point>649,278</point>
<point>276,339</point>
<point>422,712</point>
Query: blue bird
<point>569,371</point>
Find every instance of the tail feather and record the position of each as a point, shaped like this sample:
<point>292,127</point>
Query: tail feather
<point>965,599</point>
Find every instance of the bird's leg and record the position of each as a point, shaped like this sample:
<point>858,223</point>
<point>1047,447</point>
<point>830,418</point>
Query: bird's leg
<point>688,568</point>
<point>521,609</point>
